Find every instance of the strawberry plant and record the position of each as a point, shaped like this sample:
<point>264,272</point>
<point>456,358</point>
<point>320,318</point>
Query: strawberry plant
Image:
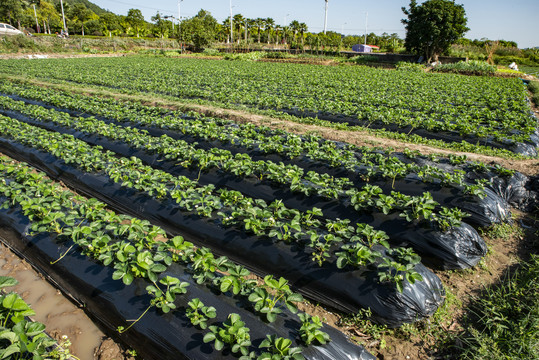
<point>199,314</point>
<point>356,255</point>
<point>205,265</point>
<point>370,236</point>
<point>232,334</point>
<point>321,246</point>
<point>447,218</point>
<point>279,349</point>
<point>164,298</point>
<point>266,299</point>
<point>310,330</point>
<point>393,272</point>
<point>236,281</point>
<point>20,338</point>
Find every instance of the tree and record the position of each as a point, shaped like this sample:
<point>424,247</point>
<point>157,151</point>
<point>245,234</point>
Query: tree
<point>111,23</point>
<point>238,23</point>
<point>269,26</point>
<point>294,26</point>
<point>200,30</point>
<point>11,10</point>
<point>161,26</point>
<point>249,24</point>
<point>94,27</point>
<point>225,29</point>
<point>302,30</point>
<point>79,14</point>
<point>47,12</point>
<point>433,26</point>
<point>136,20</point>
<point>259,23</point>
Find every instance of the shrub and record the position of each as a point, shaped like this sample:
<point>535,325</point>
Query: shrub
<point>533,86</point>
<point>250,56</point>
<point>509,72</point>
<point>408,66</point>
<point>507,318</point>
<point>211,52</point>
<point>277,55</point>
<point>362,59</point>
<point>17,43</point>
<point>508,59</point>
<point>473,67</point>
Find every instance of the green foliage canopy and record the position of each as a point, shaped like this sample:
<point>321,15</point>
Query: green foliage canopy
<point>10,10</point>
<point>136,20</point>
<point>433,26</point>
<point>200,30</point>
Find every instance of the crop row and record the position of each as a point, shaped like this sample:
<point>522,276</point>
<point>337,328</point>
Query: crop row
<point>476,107</point>
<point>369,163</point>
<point>367,198</point>
<point>436,247</point>
<point>390,170</point>
<point>387,169</point>
<point>353,246</point>
<point>136,249</point>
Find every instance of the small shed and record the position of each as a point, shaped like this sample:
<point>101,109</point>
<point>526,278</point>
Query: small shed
<point>362,48</point>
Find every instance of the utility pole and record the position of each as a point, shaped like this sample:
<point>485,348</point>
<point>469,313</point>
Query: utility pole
<point>366,18</point>
<point>326,18</point>
<point>179,14</point>
<point>231,31</point>
<point>179,26</point>
<point>63,16</point>
<point>285,26</point>
<point>179,17</point>
<point>35,15</point>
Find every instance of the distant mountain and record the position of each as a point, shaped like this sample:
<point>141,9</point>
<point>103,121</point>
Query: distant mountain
<point>88,4</point>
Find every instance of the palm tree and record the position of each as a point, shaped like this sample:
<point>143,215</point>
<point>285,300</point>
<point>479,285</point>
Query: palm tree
<point>238,25</point>
<point>250,23</point>
<point>277,28</point>
<point>259,23</point>
<point>302,28</point>
<point>226,29</point>
<point>294,26</point>
<point>269,25</point>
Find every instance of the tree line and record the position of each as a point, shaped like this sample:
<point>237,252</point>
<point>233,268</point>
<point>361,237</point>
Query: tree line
<point>431,27</point>
<point>200,31</point>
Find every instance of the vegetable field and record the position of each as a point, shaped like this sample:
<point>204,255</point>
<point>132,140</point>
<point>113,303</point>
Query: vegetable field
<point>438,108</point>
<point>198,237</point>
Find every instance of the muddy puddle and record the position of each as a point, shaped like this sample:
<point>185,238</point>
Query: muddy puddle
<point>60,315</point>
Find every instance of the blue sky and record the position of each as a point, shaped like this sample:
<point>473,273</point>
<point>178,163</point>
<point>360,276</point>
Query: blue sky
<point>515,20</point>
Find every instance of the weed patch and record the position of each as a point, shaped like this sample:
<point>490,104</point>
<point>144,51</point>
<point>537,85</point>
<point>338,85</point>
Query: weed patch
<point>504,320</point>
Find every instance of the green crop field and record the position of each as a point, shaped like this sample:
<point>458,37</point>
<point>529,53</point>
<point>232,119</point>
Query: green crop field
<point>207,235</point>
<point>483,111</point>
<point>531,70</point>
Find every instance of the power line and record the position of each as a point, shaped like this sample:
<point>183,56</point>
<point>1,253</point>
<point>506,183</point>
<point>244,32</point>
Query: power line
<point>310,27</point>
<point>358,29</point>
<point>141,6</point>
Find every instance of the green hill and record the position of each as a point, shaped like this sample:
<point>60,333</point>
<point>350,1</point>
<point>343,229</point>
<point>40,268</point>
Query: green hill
<point>88,4</point>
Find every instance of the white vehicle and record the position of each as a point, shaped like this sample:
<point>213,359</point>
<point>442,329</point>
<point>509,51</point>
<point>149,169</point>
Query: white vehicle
<point>6,29</point>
